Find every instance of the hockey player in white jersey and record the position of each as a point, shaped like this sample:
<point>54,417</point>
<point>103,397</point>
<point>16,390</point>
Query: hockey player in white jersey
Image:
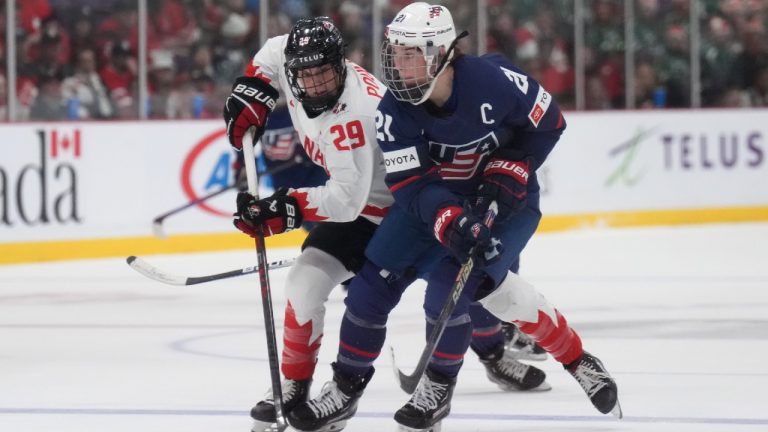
<point>332,104</point>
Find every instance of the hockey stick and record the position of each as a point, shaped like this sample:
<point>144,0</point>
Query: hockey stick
<point>409,382</point>
<point>266,295</point>
<point>157,223</point>
<point>155,273</point>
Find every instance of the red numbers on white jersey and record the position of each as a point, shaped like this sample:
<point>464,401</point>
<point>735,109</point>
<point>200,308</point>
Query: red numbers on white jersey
<point>348,137</point>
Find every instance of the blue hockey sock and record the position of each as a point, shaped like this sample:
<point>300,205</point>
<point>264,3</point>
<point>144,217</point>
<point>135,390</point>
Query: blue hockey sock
<point>486,330</point>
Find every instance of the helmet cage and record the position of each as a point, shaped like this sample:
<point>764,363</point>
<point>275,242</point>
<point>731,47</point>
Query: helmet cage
<point>420,79</point>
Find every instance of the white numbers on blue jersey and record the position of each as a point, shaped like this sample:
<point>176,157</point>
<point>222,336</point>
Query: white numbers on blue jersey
<point>520,80</point>
<point>383,122</point>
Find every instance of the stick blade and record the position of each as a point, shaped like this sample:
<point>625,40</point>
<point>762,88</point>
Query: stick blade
<point>152,272</point>
<point>157,229</point>
<point>407,383</point>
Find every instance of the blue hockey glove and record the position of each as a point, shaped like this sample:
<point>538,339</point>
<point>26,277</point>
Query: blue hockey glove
<point>465,235</point>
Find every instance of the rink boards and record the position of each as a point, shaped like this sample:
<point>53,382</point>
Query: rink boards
<point>77,190</point>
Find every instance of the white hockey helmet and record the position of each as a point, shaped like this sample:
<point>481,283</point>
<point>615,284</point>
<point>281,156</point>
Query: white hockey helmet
<point>430,30</point>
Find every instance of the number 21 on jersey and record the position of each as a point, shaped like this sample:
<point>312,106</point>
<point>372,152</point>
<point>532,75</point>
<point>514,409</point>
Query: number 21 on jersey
<point>383,123</point>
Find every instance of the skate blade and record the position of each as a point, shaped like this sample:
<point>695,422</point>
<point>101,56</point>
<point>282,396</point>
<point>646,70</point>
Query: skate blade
<point>616,411</point>
<point>525,355</point>
<point>333,427</point>
<point>540,388</point>
<point>260,426</point>
<point>434,428</point>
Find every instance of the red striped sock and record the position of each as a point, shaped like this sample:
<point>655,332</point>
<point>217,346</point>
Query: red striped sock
<point>559,340</point>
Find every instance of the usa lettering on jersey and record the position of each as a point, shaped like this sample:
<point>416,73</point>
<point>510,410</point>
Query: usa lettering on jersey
<point>460,162</point>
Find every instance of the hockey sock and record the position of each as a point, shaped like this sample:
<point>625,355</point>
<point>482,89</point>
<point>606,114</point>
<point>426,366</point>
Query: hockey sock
<point>299,356</point>
<point>373,293</point>
<point>559,340</point>
<point>359,345</point>
<point>449,353</point>
<point>486,330</point>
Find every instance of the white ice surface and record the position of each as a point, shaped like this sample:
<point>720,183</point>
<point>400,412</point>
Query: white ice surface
<point>679,316</point>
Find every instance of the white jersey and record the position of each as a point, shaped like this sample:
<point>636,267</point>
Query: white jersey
<point>341,140</point>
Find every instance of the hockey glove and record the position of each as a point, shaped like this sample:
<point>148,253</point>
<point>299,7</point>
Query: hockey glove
<point>505,180</point>
<point>250,103</point>
<point>276,214</point>
<point>465,236</point>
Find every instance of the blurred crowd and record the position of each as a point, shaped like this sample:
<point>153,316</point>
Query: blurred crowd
<point>77,59</point>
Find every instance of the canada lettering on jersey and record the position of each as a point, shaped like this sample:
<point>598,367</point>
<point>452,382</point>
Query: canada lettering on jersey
<point>314,153</point>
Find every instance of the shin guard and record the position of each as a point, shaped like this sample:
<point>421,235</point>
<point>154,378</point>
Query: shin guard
<point>299,355</point>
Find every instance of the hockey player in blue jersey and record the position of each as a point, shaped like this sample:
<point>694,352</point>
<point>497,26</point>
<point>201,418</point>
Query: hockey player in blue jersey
<point>457,132</point>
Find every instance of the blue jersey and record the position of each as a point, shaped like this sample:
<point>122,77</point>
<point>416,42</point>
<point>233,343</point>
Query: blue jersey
<point>435,156</point>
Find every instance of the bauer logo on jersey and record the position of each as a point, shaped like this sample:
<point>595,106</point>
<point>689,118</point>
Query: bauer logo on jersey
<point>540,107</point>
<point>460,162</point>
<point>401,160</point>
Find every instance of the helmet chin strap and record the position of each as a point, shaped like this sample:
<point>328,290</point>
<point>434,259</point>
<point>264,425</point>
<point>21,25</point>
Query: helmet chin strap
<point>441,67</point>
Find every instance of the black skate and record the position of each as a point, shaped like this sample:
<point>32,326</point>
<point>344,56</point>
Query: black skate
<point>521,345</point>
<point>597,383</point>
<point>263,414</point>
<point>429,404</point>
<point>502,368</point>
<point>331,409</point>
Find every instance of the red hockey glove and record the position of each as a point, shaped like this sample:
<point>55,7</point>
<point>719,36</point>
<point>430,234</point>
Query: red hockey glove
<point>250,103</point>
<point>276,214</point>
<point>465,235</point>
<point>506,181</point>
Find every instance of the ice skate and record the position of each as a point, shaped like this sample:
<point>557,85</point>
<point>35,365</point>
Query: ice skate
<point>597,383</point>
<point>502,368</point>
<point>331,409</point>
<point>429,404</point>
<point>263,414</point>
<point>520,345</point>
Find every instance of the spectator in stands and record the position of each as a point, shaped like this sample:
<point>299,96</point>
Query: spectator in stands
<point>50,103</point>
<point>758,92</point>
<point>175,26</point>
<point>675,72</point>
<point>164,100</point>
<point>605,49</point>
<point>123,24</point>
<point>85,92</point>
<point>118,76</point>
<point>719,48</point>
<point>82,36</point>
<point>31,14</point>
